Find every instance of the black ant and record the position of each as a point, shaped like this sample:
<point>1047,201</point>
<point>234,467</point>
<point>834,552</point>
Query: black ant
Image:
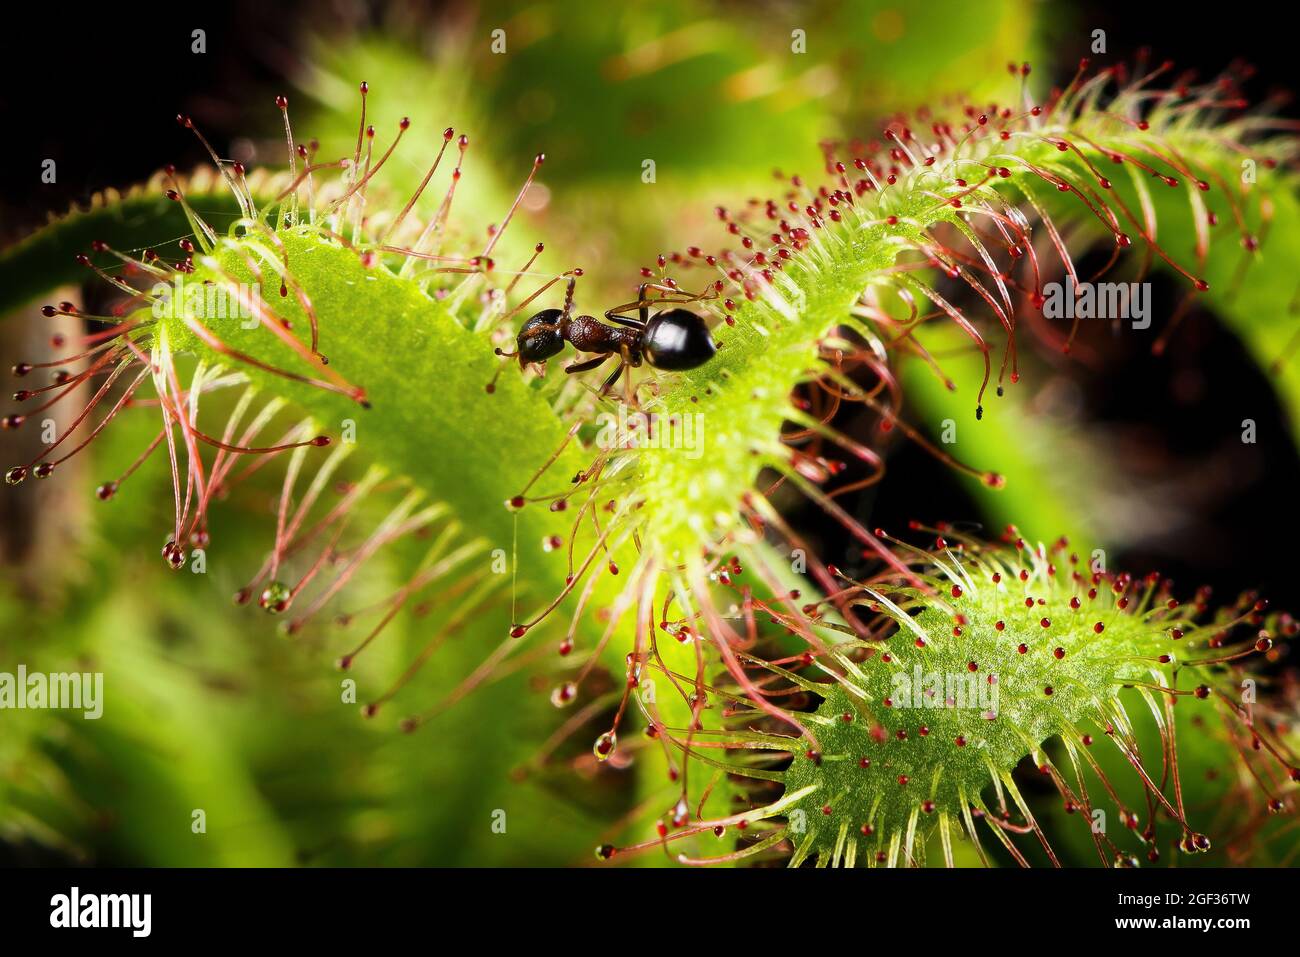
<point>672,340</point>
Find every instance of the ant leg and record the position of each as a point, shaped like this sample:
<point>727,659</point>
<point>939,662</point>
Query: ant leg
<point>609,383</point>
<point>626,363</point>
<point>629,398</point>
<point>588,364</point>
<point>710,293</point>
<point>643,313</point>
<point>675,294</point>
<point>642,305</point>
<point>613,314</point>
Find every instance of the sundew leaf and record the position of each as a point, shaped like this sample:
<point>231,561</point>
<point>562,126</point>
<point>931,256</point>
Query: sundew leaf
<point>420,365</point>
<point>139,218</point>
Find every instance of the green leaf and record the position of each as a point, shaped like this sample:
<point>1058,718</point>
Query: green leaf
<point>142,218</point>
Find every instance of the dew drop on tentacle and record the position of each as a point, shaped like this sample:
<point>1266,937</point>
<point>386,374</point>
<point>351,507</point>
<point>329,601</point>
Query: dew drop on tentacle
<point>605,746</point>
<point>173,555</point>
<point>275,598</point>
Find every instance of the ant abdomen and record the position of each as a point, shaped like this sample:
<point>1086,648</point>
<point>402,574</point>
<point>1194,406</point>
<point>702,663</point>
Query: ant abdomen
<point>677,339</point>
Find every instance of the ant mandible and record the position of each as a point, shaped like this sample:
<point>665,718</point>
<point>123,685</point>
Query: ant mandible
<point>672,340</point>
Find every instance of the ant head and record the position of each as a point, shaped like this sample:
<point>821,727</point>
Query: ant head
<point>540,338</point>
<point>677,339</point>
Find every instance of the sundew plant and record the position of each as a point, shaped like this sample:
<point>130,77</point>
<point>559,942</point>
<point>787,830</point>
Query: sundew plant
<point>432,448</point>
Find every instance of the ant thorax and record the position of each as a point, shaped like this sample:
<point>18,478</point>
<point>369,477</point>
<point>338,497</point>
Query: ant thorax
<point>589,334</point>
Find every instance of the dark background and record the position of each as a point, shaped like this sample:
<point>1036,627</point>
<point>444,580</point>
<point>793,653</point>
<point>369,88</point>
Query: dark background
<point>79,84</point>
